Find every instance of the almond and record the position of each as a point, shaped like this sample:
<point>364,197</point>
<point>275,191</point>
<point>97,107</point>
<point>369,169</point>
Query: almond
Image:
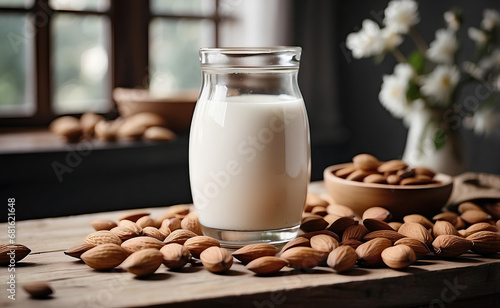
<point>480,226</point>
<point>395,225</point>
<point>485,242</point>
<point>251,252</point>
<point>179,236</point>
<point>165,227</point>
<point>417,231</point>
<point>88,121</point>
<point>172,211</point>
<point>77,250</point>
<point>175,256</point>
<point>419,248</point>
<point>375,224</point>
<point>392,166</point>
<point>303,257</point>
<point>173,223</point>
<point>309,235</point>
<point>297,242</point>
<point>68,127</point>
<point>375,179</point>
<point>143,262</point>
<point>319,210</point>
<point>141,242</point>
<point>127,229</point>
<point>493,209</point>
<point>353,243</point>
<point>370,253</point>
<point>378,213</point>
<point>340,210</point>
<point>465,206</point>
<point>358,175</point>
<point>442,227</point>
<point>330,218</point>
<point>197,244</point>
<point>104,257</point>
<point>415,181</point>
<point>460,224</point>
<point>450,246</point>
<point>106,130</point>
<point>323,242</point>
<point>191,223</point>
<point>146,221</point>
<point>339,225</point>
<point>356,232</point>
<point>20,252</point>
<point>394,179</point>
<point>216,259</point>
<point>154,233</point>
<point>447,216</point>
<point>38,289</point>
<point>313,200</point>
<point>342,258</point>
<point>391,235</point>
<point>103,224</point>
<point>345,172</point>
<point>475,216</point>
<point>133,215</point>
<point>311,222</point>
<point>103,237</point>
<point>424,171</point>
<point>418,219</point>
<point>397,257</point>
<point>158,133</point>
<point>365,162</point>
<point>266,265</point>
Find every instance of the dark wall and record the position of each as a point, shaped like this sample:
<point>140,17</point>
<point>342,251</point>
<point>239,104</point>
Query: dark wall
<point>369,127</point>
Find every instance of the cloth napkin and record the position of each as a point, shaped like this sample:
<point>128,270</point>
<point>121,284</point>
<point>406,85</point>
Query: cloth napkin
<point>482,188</point>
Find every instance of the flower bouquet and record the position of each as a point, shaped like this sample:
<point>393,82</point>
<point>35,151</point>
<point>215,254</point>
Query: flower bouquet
<point>425,89</point>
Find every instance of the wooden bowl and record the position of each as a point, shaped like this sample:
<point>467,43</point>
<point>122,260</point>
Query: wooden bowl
<point>177,109</point>
<point>399,200</point>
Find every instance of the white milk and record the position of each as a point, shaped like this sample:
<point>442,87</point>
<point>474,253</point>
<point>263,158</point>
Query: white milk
<point>249,162</point>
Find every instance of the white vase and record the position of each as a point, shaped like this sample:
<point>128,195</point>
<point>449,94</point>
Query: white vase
<point>420,149</point>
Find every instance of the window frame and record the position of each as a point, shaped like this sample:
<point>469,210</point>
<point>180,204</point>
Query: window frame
<point>129,62</point>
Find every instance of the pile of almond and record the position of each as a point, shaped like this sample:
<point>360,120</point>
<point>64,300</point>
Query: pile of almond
<point>367,168</point>
<point>332,237</point>
<point>145,125</point>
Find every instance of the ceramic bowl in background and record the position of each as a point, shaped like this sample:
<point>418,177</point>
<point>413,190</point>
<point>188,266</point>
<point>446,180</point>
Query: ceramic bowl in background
<point>177,109</point>
<point>399,200</point>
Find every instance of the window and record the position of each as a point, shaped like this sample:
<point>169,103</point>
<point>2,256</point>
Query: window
<point>177,29</point>
<point>65,56</point>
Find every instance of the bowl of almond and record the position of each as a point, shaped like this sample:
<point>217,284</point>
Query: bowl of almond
<point>366,182</point>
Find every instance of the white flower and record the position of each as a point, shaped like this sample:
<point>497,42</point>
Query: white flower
<point>491,19</point>
<point>452,20</point>
<point>440,83</point>
<point>443,48</point>
<point>477,36</point>
<point>485,121</point>
<point>400,15</point>
<point>393,91</point>
<point>367,41</point>
<point>404,71</point>
<point>490,61</point>
<point>390,38</point>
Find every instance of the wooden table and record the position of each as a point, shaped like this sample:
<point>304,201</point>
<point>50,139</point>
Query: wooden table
<point>429,282</point>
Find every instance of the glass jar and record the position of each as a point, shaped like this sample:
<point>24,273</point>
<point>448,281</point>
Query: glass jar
<point>249,152</point>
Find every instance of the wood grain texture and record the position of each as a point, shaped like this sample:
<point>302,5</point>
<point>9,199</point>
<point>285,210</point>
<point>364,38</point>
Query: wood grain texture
<point>470,278</point>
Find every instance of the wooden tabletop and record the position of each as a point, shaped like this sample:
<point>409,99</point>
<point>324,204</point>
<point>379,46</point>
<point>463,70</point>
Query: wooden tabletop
<point>430,282</point>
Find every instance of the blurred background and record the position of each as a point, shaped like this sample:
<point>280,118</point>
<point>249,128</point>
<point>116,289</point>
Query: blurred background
<point>65,57</point>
